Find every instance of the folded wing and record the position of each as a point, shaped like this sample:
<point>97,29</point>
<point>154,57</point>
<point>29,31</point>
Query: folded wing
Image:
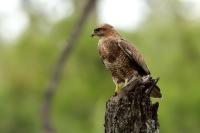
<point>134,56</point>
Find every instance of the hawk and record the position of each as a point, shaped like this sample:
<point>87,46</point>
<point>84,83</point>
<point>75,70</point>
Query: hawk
<point>121,58</point>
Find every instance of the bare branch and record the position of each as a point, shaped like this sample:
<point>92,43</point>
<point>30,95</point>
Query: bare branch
<point>56,74</point>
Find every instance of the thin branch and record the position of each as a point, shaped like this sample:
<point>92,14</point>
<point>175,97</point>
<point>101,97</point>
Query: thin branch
<point>64,56</point>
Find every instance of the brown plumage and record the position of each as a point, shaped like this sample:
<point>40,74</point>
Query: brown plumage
<point>120,57</point>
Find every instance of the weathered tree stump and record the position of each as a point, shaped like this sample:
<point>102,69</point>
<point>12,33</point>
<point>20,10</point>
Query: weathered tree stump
<point>131,110</point>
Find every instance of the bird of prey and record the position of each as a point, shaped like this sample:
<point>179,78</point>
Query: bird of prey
<point>121,58</point>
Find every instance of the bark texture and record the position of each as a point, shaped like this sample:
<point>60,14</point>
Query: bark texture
<point>131,110</point>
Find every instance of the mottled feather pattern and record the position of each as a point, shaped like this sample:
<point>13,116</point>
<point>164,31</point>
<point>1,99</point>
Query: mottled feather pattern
<point>134,55</point>
<point>115,60</point>
<point>120,57</point>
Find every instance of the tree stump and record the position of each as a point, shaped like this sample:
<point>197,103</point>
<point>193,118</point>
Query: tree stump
<point>131,110</point>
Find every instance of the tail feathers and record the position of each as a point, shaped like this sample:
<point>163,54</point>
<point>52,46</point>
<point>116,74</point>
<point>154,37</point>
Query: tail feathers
<point>156,92</point>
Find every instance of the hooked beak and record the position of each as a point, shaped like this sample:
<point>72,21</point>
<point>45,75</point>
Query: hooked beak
<point>93,34</point>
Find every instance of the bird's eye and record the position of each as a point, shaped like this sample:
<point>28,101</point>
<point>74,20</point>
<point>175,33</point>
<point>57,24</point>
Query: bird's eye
<point>97,30</point>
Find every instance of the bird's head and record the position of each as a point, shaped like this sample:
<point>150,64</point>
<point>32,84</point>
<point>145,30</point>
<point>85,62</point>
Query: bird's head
<point>104,30</point>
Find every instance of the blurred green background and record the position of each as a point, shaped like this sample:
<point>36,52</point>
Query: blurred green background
<point>168,36</point>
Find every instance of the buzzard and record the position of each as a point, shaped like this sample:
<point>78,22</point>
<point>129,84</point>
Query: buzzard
<point>121,58</point>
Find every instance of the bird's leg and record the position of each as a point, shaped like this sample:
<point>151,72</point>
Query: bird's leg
<point>117,88</point>
<point>126,82</point>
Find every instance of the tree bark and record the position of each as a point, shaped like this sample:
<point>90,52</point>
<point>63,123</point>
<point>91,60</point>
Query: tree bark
<point>131,110</point>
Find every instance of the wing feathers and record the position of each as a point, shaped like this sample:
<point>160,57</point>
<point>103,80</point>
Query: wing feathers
<point>134,55</point>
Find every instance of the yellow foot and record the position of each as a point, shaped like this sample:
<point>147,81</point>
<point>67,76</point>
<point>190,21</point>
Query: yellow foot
<point>118,87</point>
<point>126,82</point>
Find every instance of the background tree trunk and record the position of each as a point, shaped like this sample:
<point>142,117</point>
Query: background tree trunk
<point>59,66</point>
<point>131,111</point>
